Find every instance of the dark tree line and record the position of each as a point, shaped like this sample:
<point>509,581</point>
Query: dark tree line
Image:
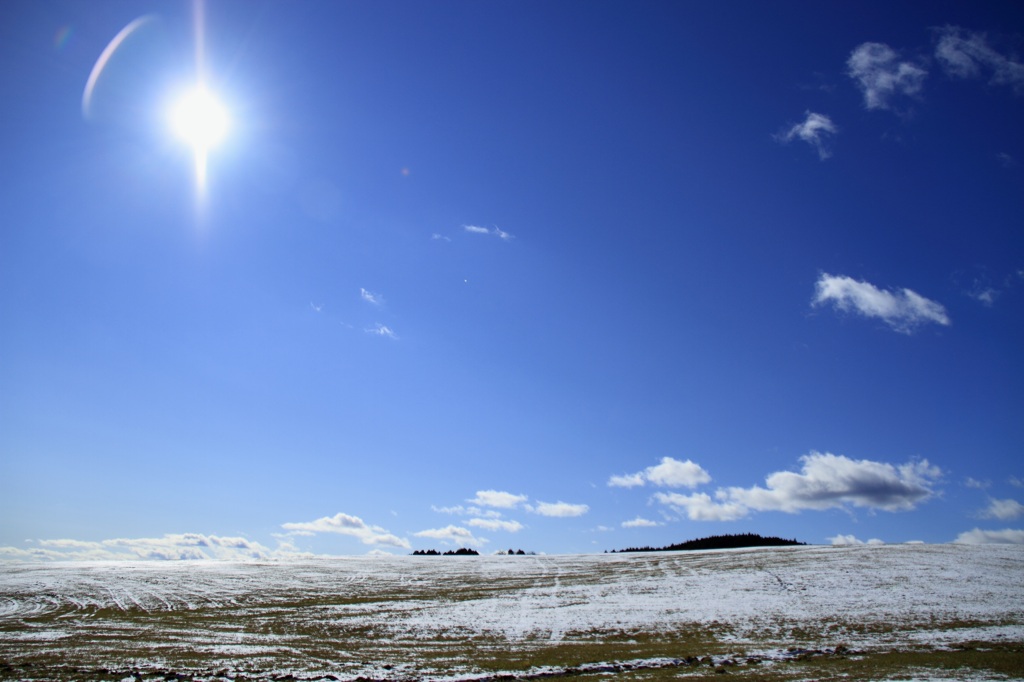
<point>719,542</point>
<point>466,552</point>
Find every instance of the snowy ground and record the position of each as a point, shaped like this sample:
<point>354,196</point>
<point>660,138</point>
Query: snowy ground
<point>406,617</point>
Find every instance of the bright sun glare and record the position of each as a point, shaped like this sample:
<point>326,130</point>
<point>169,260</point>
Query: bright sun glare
<point>200,119</point>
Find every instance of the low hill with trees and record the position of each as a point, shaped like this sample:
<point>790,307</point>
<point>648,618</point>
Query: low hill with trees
<point>719,542</point>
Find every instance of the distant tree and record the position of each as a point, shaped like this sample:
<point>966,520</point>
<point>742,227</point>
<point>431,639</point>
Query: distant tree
<point>719,542</point>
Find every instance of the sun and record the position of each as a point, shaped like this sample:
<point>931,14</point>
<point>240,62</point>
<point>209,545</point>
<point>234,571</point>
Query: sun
<point>199,119</point>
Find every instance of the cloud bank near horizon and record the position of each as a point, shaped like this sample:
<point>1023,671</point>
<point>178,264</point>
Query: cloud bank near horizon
<point>170,547</point>
<point>823,481</point>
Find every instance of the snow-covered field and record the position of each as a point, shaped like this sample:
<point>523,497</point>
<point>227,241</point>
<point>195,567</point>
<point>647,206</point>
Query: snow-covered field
<point>405,617</point>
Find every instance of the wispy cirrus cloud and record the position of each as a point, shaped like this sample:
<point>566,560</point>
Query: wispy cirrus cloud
<point>986,287</point>
<point>966,54</point>
<point>370,297</point>
<point>883,76</point>
<point>670,472</point>
<point>815,130</point>
<point>985,295</point>
<point>494,231</point>
<point>453,509</point>
<point>382,330</point>
<point>903,310</point>
<point>346,524</point>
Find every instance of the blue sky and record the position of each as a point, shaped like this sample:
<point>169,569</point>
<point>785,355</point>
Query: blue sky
<point>564,276</point>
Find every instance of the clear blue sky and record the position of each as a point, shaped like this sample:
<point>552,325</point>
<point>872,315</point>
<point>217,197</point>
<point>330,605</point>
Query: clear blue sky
<point>559,276</point>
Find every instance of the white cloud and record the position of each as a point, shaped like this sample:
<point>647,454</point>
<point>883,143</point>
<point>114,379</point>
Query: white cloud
<point>852,540</point>
<point>903,310</point>
<point>455,535</point>
<point>457,509</point>
<point>559,509</point>
<point>382,330</point>
<point>964,54</point>
<point>497,498</point>
<point>370,297</point>
<point>828,481</point>
<point>700,507</point>
<point>983,291</point>
<point>437,236</point>
<point>496,524</point>
<point>346,524</point>
<point>1003,510</point>
<point>673,473</point>
<point>814,130</point>
<point>627,480</point>
<point>881,75</point>
<point>75,544</point>
<point>987,290</point>
<point>174,546</point>
<point>975,483</point>
<point>639,522</point>
<point>1008,536</point>
<point>316,308</point>
<point>33,554</point>
<point>986,296</point>
<point>670,472</point>
<point>495,231</point>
